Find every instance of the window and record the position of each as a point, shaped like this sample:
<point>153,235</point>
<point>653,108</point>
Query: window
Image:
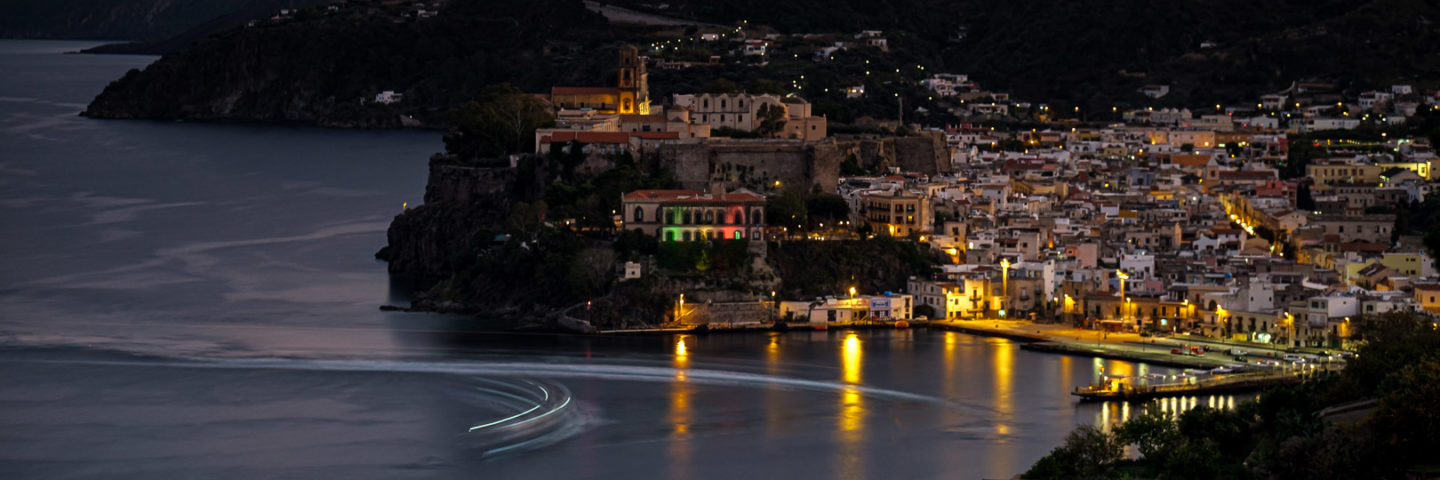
<point>739,235</point>
<point>709,218</point>
<point>670,236</point>
<point>706,103</point>
<point>722,103</point>
<point>740,103</point>
<point>687,235</point>
<point>639,214</point>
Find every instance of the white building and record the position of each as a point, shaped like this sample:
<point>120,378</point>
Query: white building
<point>388,97</point>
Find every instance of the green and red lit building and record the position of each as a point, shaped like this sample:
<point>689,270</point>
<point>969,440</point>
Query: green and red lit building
<point>692,215</point>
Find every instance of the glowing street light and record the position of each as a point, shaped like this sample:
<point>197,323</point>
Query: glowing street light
<point>1004,282</point>
<point>1120,274</point>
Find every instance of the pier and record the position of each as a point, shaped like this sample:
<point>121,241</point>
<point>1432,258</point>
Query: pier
<point>1124,389</point>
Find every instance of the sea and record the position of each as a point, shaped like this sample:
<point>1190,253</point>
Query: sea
<point>183,300</point>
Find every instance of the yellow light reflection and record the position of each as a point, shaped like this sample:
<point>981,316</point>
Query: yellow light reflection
<point>775,424</point>
<point>850,359</point>
<point>682,356</point>
<point>1004,366</point>
<point>850,429</point>
<point>680,414</point>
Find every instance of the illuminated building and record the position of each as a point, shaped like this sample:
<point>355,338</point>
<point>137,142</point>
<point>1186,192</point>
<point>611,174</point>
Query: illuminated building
<point>631,95</point>
<point>692,215</point>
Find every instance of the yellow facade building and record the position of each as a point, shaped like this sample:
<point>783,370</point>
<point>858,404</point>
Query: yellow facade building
<point>630,96</point>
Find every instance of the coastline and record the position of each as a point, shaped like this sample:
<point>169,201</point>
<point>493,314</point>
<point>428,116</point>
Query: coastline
<point>1037,337</point>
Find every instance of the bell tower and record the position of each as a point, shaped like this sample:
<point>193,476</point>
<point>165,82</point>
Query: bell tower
<point>632,82</point>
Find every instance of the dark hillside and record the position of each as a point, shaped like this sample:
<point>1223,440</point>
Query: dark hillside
<point>323,67</point>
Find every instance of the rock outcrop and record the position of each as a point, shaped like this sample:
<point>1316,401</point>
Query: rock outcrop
<point>462,204</point>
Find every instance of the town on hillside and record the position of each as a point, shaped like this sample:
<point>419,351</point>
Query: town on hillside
<point>1281,221</point>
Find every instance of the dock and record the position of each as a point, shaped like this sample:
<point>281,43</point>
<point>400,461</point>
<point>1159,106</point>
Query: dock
<point>1119,389</point>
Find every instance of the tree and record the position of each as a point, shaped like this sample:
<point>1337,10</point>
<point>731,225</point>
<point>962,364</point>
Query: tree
<point>501,122</point>
<point>1088,452</point>
<point>827,208</point>
<point>720,85</point>
<point>1153,433</point>
<point>1303,199</point>
<point>851,167</point>
<point>772,119</point>
<point>787,210</point>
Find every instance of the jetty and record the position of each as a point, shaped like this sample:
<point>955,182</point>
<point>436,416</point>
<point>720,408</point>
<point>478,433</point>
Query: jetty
<point>1124,389</point>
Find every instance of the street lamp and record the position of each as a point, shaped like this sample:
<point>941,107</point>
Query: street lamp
<point>1004,282</point>
<point>852,291</point>
<point>680,310</point>
<point>1120,274</point>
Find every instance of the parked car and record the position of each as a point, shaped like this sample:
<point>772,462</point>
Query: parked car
<point>1177,351</point>
<point>1293,358</point>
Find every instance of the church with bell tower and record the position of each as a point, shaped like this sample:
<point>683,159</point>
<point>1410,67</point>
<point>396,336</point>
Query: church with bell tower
<point>630,96</point>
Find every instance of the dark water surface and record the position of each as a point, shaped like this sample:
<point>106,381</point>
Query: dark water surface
<point>199,301</point>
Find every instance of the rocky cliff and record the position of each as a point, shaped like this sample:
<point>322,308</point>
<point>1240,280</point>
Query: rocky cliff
<point>465,207</point>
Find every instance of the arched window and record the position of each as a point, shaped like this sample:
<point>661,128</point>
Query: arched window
<point>687,218</point>
<point>709,217</point>
<point>706,103</point>
<point>658,215</point>
<point>639,214</point>
<point>740,103</point>
<point>687,235</point>
<point>722,103</point>
<point>739,217</point>
<point>757,217</point>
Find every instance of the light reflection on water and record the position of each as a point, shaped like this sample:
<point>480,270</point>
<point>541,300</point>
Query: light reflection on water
<point>680,415</point>
<point>850,430</point>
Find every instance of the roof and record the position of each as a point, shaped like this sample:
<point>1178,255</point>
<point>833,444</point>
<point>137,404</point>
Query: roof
<point>1190,160</point>
<point>584,90</point>
<point>1364,247</point>
<point>656,135</point>
<point>1246,175</point>
<point>583,136</point>
<point>636,118</point>
<point>692,196</point>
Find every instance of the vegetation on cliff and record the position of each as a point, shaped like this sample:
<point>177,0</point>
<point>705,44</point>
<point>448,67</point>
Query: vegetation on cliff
<point>1283,435</point>
<point>1096,54</point>
<point>130,19</point>
<point>812,268</point>
<point>325,67</point>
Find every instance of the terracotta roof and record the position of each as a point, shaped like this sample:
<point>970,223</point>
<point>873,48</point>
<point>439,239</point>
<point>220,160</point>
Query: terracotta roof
<point>656,135</point>
<point>1246,175</point>
<point>692,196</point>
<point>583,90</point>
<point>637,118</point>
<point>1364,247</point>
<point>586,137</point>
<point>1190,160</point>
